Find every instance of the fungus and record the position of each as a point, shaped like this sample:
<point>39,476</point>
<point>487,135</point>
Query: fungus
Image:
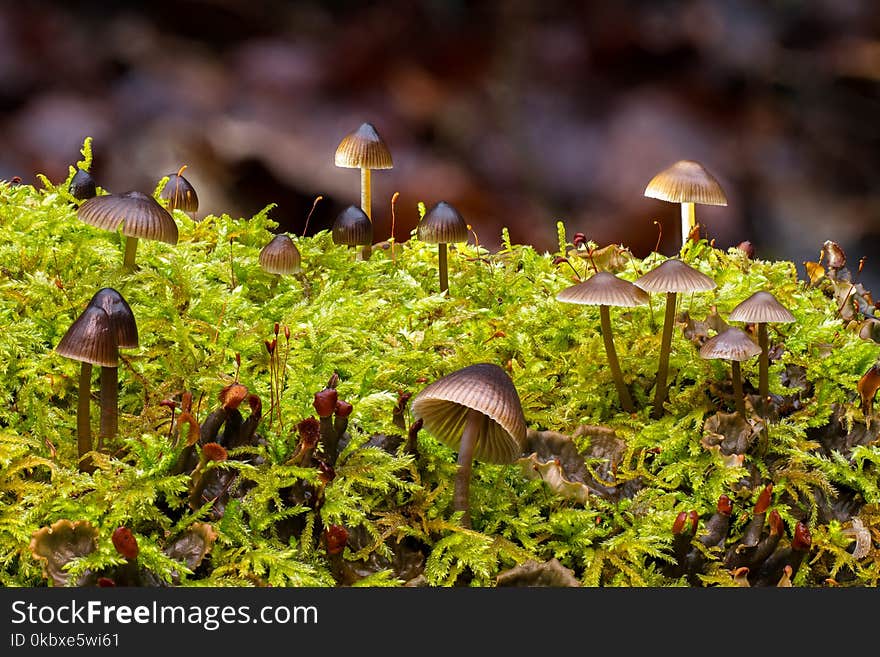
<point>442,225</point>
<point>736,346</point>
<point>477,411</point>
<point>180,194</point>
<point>354,228</point>
<point>671,277</point>
<point>139,215</point>
<point>760,309</point>
<point>82,186</point>
<point>604,289</point>
<point>91,339</point>
<point>280,257</point>
<point>60,543</point>
<point>686,182</point>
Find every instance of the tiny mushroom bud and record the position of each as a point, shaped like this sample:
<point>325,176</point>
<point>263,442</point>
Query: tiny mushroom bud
<point>180,193</point>
<point>354,228</point>
<point>734,345</point>
<point>280,257</point>
<point>442,225</point>
<point>82,185</point>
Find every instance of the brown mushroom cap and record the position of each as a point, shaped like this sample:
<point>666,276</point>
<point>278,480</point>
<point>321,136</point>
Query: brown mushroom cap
<point>673,275</point>
<point>442,224</point>
<point>363,148</point>
<point>121,316</point>
<point>140,215</point>
<point>759,308</point>
<point>731,344</point>
<point>180,194</point>
<point>686,181</point>
<point>91,339</point>
<point>604,289</point>
<point>443,406</point>
<point>352,227</point>
<point>280,256</point>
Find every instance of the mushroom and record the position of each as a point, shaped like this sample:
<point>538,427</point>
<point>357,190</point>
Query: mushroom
<point>123,324</point>
<point>180,193</point>
<point>686,182</point>
<point>140,216</point>
<point>280,256</point>
<point>478,411</point>
<point>82,186</point>
<point>92,340</point>
<point>354,228</point>
<point>672,276</point>
<point>604,289</point>
<point>442,225</point>
<point>734,345</point>
<point>760,309</point>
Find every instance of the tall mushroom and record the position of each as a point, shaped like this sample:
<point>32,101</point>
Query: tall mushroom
<point>354,228</point>
<point>442,225</point>
<point>123,323</point>
<point>280,256</point>
<point>140,216</point>
<point>180,193</point>
<point>686,182</point>
<point>604,289</point>
<point>91,340</point>
<point>671,277</point>
<point>734,345</point>
<point>760,309</point>
<point>476,410</point>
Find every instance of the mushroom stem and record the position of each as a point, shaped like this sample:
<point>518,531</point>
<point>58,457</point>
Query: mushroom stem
<point>109,405</point>
<point>472,426</point>
<point>665,348</point>
<point>443,266</point>
<point>763,361</point>
<point>83,428</point>
<point>688,221</point>
<point>366,251</point>
<point>739,397</point>
<point>131,244</point>
<point>622,392</point>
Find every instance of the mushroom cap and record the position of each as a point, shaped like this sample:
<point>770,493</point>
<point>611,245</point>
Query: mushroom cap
<point>604,289</point>
<point>352,227</point>
<point>686,181</point>
<point>759,308</point>
<point>443,406</point>
<point>442,224</point>
<point>91,339</point>
<point>731,344</point>
<point>280,256</point>
<point>140,215</point>
<point>121,317</point>
<point>673,275</point>
<point>82,185</point>
<point>363,148</point>
<point>180,194</point>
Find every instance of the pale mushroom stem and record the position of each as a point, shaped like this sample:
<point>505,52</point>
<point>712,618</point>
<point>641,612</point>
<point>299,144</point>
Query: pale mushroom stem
<point>83,423</point>
<point>366,251</point>
<point>739,397</point>
<point>443,266</point>
<point>763,361</point>
<point>688,221</point>
<point>131,244</point>
<point>622,392</point>
<point>665,348</point>
<point>109,401</point>
<point>461,497</point>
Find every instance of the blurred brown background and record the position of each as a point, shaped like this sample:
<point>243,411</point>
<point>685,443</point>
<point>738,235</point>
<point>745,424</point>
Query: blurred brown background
<point>520,113</point>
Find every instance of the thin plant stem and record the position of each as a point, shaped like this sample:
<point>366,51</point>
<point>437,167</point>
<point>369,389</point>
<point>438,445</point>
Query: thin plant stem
<point>665,348</point>
<point>109,405</point>
<point>763,362</point>
<point>83,422</point>
<point>739,396</point>
<point>443,267</point>
<point>470,435</point>
<point>626,401</point>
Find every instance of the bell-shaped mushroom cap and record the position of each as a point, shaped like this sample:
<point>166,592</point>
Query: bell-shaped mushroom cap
<point>280,256</point>
<point>604,289</point>
<point>140,215</point>
<point>180,194</point>
<point>686,181</point>
<point>442,224</point>
<point>353,227</point>
<point>759,308</point>
<point>363,148</point>
<point>443,406</point>
<point>673,275</point>
<point>121,317</point>
<point>82,185</point>
<point>91,339</point>
<point>731,344</point>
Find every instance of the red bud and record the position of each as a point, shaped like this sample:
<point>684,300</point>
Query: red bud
<point>336,537</point>
<point>775,521</point>
<point>678,524</point>
<point>125,543</point>
<point>214,452</point>
<point>802,539</point>
<point>309,432</point>
<point>725,505</point>
<point>277,328</point>
<point>764,499</point>
<point>343,408</point>
<point>694,518</point>
<point>105,582</point>
<point>232,395</point>
<point>325,402</point>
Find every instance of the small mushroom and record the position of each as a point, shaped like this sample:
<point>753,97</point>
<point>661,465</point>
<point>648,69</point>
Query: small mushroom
<point>92,340</point>
<point>686,182</point>
<point>671,277</point>
<point>442,225</point>
<point>82,186</point>
<point>604,289</point>
<point>279,257</point>
<point>140,216</point>
<point>354,228</point>
<point>180,193</point>
<point>476,410</point>
<point>760,309</point>
<point>734,345</point>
